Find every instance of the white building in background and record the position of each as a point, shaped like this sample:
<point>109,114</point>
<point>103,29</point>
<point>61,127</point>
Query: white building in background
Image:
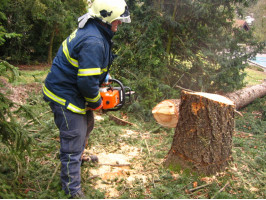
<point>249,20</point>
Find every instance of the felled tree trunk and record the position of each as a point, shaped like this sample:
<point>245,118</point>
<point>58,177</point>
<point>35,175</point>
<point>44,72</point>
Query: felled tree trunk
<point>203,136</point>
<point>166,115</point>
<point>246,95</point>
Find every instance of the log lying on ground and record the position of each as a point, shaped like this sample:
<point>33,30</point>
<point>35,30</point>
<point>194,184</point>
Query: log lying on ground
<point>166,112</point>
<point>203,135</point>
<point>246,95</point>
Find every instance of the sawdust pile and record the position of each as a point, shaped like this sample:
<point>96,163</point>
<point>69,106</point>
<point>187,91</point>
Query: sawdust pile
<point>114,167</point>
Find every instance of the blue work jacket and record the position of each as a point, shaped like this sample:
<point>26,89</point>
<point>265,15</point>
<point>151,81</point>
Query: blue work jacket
<point>80,67</point>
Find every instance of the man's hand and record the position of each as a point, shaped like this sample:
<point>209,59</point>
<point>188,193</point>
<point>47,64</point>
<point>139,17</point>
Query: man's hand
<point>98,108</point>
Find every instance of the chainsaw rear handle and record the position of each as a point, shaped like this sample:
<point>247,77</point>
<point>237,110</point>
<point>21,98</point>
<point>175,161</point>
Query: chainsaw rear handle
<point>122,94</point>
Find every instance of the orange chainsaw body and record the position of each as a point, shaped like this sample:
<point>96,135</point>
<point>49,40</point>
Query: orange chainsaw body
<point>110,98</point>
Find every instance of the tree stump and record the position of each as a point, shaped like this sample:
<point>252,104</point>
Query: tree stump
<point>203,135</point>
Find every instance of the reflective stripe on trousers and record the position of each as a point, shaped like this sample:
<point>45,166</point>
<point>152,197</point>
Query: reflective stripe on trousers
<point>74,132</point>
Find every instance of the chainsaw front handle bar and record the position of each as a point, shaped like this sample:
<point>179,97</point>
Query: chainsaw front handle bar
<point>122,94</point>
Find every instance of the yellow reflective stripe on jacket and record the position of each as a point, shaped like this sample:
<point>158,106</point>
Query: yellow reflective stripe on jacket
<point>93,100</point>
<point>61,101</point>
<point>75,109</point>
<point>53,96</point>
<point>72,61</point>
<point>104,70</point>
<point>91,71</point>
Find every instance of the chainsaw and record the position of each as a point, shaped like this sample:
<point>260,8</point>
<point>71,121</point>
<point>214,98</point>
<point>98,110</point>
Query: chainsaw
<point>114,97</point>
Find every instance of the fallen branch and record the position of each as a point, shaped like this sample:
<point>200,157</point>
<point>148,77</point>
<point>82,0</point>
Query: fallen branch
<point>56,169</point>
<point>177,86</point>
<point>37,139</point>
<point>237,112</point>
<point>93,177</point>
<point>199,187</point>
<point>147,147</point>
<point>117,165</point>
<point>222,189</point>
<point>34,131</point>
<point>31,120</point>
<point>120,121</point>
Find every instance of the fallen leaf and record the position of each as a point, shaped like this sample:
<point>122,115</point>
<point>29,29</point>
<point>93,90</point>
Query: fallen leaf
<point>207,179</point>
<point>112,175</point>
<point>253,189</point>
<point>26,191</point>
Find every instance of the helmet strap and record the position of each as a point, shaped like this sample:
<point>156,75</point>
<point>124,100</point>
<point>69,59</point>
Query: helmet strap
<point>105,24</point>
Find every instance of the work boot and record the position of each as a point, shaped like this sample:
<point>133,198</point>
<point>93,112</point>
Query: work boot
<point>78,195</point>
<point>90,158</point>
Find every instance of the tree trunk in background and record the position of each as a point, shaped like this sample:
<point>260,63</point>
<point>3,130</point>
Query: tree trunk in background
<point>50,49</point>
<point>167,116</point>
<point>203,136</point>
<point>171,32</point>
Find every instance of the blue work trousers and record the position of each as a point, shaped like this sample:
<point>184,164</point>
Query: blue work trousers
<point>74,133</point>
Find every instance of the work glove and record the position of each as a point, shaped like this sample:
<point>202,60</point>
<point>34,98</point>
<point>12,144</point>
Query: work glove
<point>98,108</point>
<point>106,80</point>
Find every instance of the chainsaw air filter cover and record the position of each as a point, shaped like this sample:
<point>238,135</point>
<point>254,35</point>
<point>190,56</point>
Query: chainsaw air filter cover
<point>110,99</point>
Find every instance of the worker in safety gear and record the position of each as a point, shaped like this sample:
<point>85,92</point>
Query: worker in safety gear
<point>72,86</point>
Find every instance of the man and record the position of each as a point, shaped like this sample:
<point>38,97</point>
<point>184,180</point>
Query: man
<point>72,87</point>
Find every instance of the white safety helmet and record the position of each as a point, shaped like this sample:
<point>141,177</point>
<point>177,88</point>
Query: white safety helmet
<point>110,10</point>
<point>107,11</point>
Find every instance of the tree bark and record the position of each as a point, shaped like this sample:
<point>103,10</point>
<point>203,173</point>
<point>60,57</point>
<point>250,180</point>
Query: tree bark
<point>171,32</point>
<point>50,48</point>
<point>245,96</point>
<point>203,136</point>
<point>167,116</point>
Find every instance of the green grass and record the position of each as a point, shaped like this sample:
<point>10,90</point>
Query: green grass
<point>40,178</point>
<point>254,76</point>
<point>30,76</point>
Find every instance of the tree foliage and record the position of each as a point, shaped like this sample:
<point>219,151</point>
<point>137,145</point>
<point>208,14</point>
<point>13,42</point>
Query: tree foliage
<point>258,12</point>
<point>3,33</point>
<point>12,134</point>
<point>170,43</point>
<point>43,25</point>
<point>193,44</point>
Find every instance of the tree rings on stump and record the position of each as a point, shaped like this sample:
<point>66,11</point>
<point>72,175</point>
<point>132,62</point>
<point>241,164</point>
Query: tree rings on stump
<point>166,113</point>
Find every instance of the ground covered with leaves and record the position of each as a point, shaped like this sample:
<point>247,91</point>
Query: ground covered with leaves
<point>130,156</point>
